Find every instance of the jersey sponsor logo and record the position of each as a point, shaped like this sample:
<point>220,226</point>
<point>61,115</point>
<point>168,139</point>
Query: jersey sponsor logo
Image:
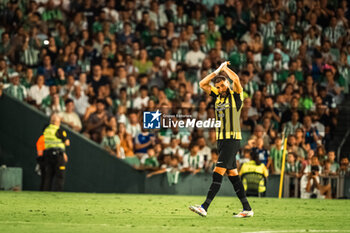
<point>222,106</point>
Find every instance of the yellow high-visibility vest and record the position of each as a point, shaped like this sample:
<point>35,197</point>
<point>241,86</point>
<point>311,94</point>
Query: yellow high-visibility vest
<point>51,139</point>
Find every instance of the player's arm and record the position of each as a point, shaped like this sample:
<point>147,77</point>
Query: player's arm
<point>236,85</point>
<point>205,83</point>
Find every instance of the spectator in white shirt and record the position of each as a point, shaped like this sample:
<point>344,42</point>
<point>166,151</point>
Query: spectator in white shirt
<point>195,57</point>
<point>204,150</point>
<point>310,186</point>
<point>82,82</point>
<point>157,15</point>
<point>141,102</point>
<point>69,117</point>
<point>174,149</point>
<point>110,11</point>
<point>133,126</point>
<point>81,101</point>
<point>39,91</point>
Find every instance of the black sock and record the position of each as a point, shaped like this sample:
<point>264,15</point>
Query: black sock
<point>238,186</point>
<point>214,188</point>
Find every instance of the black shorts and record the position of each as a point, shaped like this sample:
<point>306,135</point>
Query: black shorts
<point>228,149</point>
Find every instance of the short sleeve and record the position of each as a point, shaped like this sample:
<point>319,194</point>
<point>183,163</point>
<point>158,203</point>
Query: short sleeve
<point>214,91</point>
<point>238,99</point>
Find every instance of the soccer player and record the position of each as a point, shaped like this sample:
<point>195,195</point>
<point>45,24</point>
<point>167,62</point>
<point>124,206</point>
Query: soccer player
<point>228,103</point>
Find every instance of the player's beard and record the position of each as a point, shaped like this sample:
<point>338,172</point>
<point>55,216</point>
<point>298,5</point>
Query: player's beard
<point>224,93</point>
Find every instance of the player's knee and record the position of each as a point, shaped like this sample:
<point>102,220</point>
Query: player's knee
<point>232,172</point>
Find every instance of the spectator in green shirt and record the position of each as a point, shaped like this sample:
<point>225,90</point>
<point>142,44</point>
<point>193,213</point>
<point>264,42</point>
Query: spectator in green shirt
<point>212,34</point>
<point>275,160</point>
<point>151,162</point>
<point>334,165</point>
<point>293,166</point>
<point>111,142</point>
<point>171,91</point>
<point>143,64</point>
<point>238,58</point>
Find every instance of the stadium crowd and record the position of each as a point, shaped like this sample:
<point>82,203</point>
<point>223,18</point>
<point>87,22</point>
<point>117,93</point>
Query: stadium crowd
<point>100,64</point>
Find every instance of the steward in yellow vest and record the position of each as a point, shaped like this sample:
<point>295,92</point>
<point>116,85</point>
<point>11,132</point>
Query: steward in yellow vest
<point>55,157</point>
<point>254,166</point>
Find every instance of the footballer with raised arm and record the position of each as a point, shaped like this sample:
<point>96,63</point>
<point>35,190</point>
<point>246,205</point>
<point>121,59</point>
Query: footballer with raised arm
<point>228,104</point>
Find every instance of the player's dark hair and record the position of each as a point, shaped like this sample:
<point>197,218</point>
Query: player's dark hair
<point>219,78</point>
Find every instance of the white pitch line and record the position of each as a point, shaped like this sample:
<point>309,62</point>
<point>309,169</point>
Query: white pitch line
<point>52,223</point>
<point>289,231</point>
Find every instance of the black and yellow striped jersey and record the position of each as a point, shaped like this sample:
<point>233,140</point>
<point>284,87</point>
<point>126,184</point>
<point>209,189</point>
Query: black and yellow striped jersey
<point>228,111</point>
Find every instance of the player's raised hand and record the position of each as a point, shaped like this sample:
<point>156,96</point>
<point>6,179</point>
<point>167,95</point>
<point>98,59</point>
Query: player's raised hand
<point>218,70</point>
<point>226,63</point>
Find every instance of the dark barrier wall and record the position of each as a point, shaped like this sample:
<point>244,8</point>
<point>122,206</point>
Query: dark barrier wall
<point>90,168</point>
<point>198,184</point>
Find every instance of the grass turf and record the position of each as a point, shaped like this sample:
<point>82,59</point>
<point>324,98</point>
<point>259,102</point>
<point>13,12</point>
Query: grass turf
<point>83,212</point>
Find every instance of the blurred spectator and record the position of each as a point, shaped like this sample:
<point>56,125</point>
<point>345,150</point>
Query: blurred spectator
<point>48,71</point>
<point>262,153</point>
<point>334,166</point>
<point>143,141</point>
<point>15,89</point>
<point>133,127</point>
<point>194,57</point>
<point>151,162</point>
<point>111,142</point>
<point>192,161</point>
<point>141,101</point>
<point>344,166</point>
<point>275,161</point>
<point>310,186</point>
<point>126,142</point>
<point>80,100</point>
<point>39,91</point>
<point>171,167</point>
<point>293,165</point>
<point>69,117</point>
<point>311,133</point>
<point>97,122</point>
<point>313,162</point>
<point>290,127</point>
<point>174,149</point>
<point>204,150</point>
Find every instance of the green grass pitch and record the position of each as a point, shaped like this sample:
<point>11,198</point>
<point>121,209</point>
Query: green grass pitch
<point>83,212</point>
